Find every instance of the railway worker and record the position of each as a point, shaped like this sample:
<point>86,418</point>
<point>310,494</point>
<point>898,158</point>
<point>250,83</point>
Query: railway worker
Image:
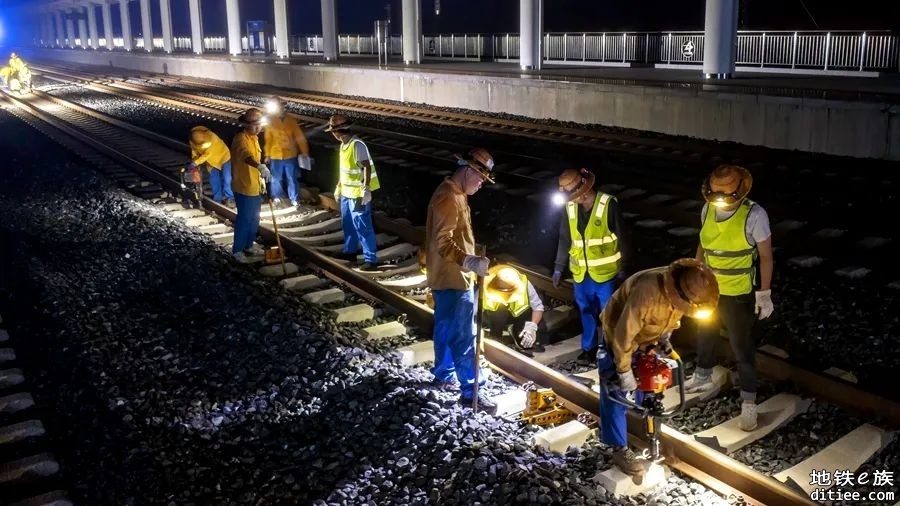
<point>590,244</point>
<point>357,180</point>
<point>450,264</point>
<point>284,150</point>
<point>16,63</point>
<point>510,298</point>
<point>735,232</point>
<point>249,176</point>
<point>208,149</point>
<point>642,313</point>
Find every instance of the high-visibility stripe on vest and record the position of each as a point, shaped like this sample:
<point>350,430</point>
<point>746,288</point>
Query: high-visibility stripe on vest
<point>727,251</point>
<point>517,303</point>
<point>351,176</point>
<point>597,253</point>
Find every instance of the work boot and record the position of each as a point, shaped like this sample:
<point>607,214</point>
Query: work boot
<point>242,257</point>
<point>587,357</point>
<point>367,267</point>
<point>230,203</point>
<point>446,386</point>
<point>748,416</point>
<point>350,257</point>
<point>295,203</point>
<point>255,251</point>
<point>484,404</point>
<point>698,384</point>
<point>627,461</point>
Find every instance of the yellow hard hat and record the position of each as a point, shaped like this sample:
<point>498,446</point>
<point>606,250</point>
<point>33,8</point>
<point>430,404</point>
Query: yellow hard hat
<point>502,282</point>
<point>201,136</point>
<point>479,160</point>
<point>727,185</point>
<point>692,288</point>
<point>574,184</point>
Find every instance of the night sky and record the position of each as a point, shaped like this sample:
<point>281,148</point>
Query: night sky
<point>499,16</point>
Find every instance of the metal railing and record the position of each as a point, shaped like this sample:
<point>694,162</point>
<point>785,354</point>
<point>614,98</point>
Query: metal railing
<point>817,50</point>
<point>872,51</point>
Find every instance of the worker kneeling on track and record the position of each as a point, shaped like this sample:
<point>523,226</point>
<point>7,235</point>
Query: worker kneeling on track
<point>208,149</point>
<point>249,176</point>
<point>508,295</point>
<point>642,313</point>
<point>450,263</point>
<point>357,180</point>
<point>284,148</point>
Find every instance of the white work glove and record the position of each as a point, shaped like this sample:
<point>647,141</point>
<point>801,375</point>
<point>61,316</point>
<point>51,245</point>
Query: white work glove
<point>764,306</point>
<point>627,382</point>
<point>476,264</point>
<point>262,185</point>
<point>337,192</point>
<point>367,196</point>
<point>528,335</point>
<point>304,161</point>
<point>264,171</point>
<point>556,277</point>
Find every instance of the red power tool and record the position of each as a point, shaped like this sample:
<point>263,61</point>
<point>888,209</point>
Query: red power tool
<point>654,374</point>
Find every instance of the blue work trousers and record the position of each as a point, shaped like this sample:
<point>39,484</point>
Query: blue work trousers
<point>357,224</point>
<point>247,221</point>
<point>284,168</point>
<point>454,338</point>
<point>591,297</point>
<point>220,182</point>
<point>613,431</point>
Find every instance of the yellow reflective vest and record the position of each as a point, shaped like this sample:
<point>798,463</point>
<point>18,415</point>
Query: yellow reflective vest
<point>597,253</point>
<point>727,251</point>
<point>517,303</point>
<point>351,183</point>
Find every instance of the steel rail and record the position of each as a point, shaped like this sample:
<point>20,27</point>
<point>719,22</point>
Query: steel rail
<point>517,366</point>
<point>822,386</point>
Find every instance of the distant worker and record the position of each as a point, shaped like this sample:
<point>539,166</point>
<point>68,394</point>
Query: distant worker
<point>284,149</point>
<point>590,236</point>
<point>509,296</point>
<point>208,149</point>
<point>450,264</point>
<point>357,180</point>
<point>642,313</point>
<point>249,176</point>
<point>735,232</point>
<point>16,63</point>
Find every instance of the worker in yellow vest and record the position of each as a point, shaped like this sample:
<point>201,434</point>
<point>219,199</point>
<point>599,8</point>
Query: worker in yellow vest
<point>356,182</point>
<point>735,234</point>
<point>249,176</point>
<point>208,149</point>
<point>285,149</point>
<point>589,244</point>
<point>508,295</point>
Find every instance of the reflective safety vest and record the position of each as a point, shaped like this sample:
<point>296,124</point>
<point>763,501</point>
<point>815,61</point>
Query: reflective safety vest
<point>597,253</point>
<point>351,177</point>
<point>517,303</point>
<point>727,251</point>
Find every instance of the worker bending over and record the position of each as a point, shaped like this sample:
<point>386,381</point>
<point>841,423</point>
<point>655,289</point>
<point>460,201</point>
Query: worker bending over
<point>642,313</point>
<point>209,150</point>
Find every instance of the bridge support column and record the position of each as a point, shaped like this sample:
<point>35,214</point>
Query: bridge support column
<point>412,32</point>
<point>329,30</point>
<point>720,39</point>
<point>531,28</point>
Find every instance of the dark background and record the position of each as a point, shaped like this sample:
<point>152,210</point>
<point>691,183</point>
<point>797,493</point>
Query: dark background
<point>499,16</point>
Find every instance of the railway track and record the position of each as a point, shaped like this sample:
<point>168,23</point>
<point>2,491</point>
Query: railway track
<point>856,246</point>
<point>82,130</point>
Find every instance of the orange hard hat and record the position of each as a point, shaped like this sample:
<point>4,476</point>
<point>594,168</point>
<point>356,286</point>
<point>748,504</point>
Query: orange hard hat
<point>691,286</point>
<point>727,185</point>
<point>480,161</point>
<point>576,183</point>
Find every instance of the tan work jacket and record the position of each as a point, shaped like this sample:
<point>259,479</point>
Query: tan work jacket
<point>637,315</point>
<point>448,238</point>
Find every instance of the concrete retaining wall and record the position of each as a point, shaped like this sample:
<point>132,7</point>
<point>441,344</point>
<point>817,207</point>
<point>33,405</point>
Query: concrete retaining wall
<point>860,129</point>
